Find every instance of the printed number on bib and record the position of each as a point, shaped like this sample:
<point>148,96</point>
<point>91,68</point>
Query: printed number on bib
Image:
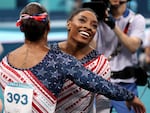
<point>18,98</point>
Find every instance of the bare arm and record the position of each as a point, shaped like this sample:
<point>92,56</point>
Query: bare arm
<point>132,43</point>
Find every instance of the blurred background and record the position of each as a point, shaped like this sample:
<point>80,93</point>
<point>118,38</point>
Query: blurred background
<point>11,37</point>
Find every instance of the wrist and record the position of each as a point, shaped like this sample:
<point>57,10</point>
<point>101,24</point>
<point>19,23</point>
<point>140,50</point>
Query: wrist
<point>131,98</point>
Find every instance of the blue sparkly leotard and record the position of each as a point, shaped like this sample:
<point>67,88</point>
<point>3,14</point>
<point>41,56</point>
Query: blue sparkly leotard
<point>55,68</point>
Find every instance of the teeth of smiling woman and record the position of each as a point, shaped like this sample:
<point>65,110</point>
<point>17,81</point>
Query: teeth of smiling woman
<point>84,34</point>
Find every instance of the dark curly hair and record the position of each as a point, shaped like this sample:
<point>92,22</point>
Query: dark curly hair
<point>33,29</point>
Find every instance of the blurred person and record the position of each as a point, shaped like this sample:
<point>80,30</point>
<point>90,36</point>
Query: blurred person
<point>133,5</point>
<point>33,75</point>
<point>1,49</point>
<point>119,36</point>
<point>72,5</point>
<point>77,4</point>
<point>144,56</point>
<point>82,27</point>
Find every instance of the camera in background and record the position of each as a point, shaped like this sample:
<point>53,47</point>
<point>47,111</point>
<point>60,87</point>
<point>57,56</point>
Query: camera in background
<point>99,7</point>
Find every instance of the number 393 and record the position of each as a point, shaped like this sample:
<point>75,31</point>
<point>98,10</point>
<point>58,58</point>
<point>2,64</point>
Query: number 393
<point>17,98</point>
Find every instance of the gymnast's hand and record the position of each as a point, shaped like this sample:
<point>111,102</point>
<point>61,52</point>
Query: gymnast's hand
<point>137,105</point>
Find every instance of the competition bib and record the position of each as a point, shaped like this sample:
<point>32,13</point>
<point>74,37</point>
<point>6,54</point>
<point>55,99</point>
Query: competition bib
<point>18,98</point>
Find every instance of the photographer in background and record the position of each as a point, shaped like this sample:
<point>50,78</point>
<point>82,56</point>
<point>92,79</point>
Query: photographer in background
<point>119,35</point>
<point>144,55</point>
